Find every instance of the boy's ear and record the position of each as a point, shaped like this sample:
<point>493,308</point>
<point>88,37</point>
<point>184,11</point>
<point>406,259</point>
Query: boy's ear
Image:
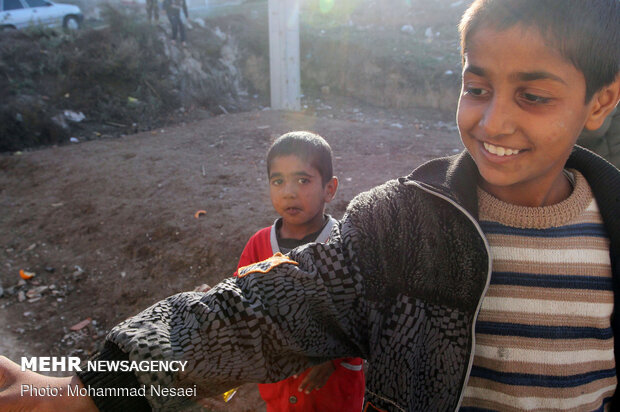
<point>331,187</point>
<point>604,101</point>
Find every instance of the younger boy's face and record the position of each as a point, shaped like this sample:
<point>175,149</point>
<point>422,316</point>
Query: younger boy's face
<point>521,109</point>
<point>298,195</point>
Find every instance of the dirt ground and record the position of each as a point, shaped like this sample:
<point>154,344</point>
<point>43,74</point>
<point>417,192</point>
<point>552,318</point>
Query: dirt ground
<point>108,227</point>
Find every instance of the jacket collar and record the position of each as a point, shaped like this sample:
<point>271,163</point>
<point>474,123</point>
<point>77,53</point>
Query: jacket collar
<point>454,176</point>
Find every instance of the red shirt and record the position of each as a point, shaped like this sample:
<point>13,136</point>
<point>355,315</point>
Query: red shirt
<point>344,390</point>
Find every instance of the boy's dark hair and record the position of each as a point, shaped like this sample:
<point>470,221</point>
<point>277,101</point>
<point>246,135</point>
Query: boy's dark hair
<point>587,33</point>
<point>309,147</point>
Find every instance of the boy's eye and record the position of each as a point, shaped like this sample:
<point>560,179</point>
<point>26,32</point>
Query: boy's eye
<point>533,98</point>
<point>304,180</point>
<point>276,182</point>
<point>476,91</point>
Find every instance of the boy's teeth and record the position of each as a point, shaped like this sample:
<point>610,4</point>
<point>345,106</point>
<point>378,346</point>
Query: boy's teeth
<point>500,151</point>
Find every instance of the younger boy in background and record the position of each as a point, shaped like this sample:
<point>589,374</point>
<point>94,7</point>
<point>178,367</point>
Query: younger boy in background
<point>301,182</point>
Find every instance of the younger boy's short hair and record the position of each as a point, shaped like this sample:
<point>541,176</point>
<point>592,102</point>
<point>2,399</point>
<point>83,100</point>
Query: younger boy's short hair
<point>307,146</point>
<point>586,33</point>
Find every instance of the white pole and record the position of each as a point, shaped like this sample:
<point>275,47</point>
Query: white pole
<point>284,54</point>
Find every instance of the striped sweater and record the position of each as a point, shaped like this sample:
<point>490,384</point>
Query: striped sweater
<point>543,336</point>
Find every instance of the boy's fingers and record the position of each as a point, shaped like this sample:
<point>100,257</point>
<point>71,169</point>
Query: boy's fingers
<point>305,382</point>
<point>316,378</point>
<point>308,385</point>
<point>304,386</point>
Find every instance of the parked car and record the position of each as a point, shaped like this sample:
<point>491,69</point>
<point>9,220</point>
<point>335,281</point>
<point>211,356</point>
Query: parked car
<point>18,14</point>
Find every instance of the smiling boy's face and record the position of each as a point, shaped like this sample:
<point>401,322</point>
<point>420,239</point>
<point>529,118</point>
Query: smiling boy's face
<point>521,110</point>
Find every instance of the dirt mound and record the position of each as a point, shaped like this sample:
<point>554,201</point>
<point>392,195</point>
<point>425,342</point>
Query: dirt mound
<point>120,78</point>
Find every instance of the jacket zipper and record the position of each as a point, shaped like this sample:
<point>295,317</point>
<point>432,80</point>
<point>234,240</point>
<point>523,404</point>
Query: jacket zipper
<point>486,286</point>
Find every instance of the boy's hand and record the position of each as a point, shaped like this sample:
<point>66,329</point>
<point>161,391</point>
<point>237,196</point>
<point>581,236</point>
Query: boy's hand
<point>317,377</point>
<point>14,393</point>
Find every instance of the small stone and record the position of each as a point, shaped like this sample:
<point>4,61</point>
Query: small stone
<point>36,292</point>
<point>21,296</point>
<point>78,272</point>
